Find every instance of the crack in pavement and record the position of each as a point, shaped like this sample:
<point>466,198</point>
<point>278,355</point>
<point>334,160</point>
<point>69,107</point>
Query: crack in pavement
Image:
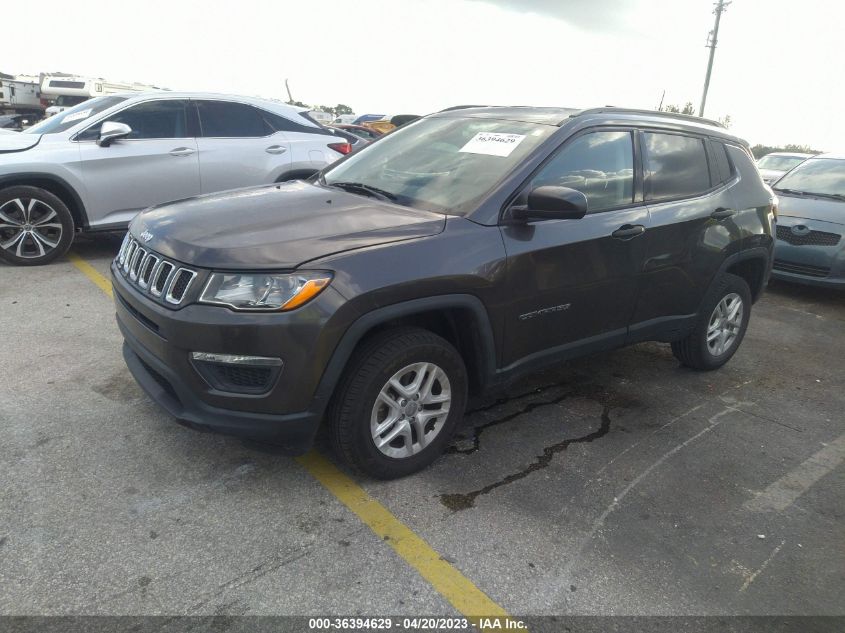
<point>462,501</point>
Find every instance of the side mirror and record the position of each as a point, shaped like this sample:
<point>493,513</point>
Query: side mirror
<point>110,131</point>
<point>552,203</point>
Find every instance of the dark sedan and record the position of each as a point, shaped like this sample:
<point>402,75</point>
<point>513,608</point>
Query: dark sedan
<point>810,246</point>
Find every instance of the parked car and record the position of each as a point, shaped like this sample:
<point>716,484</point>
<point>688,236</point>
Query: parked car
<point>461,251</point>
<point>810,248</point>
<point>18,122</point>
<point>93,167</point>
<point>773,166</point>
<point>359,130</point>
<point>354,141</point>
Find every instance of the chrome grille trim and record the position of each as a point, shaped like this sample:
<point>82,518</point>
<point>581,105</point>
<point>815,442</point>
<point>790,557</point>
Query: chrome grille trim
<point>152,274</point>
<point>165,269</point>
<point>145,273</point>
<point>169,296</point>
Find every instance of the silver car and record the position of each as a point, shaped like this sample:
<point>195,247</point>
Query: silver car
<point>773,166</point>
<point>94,166</point>
<point>810,247</point>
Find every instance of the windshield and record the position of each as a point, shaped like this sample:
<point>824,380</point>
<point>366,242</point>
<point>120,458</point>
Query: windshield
<point>441,164</point>
<point>779,163</point>
<point>67,119</point>
<point>822,176</point>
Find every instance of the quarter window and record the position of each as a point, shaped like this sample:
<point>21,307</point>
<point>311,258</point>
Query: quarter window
<point>598,164</point>
<point>151,119</point>
<point>723,163</point>
<point>675,166</point>
<point>225,119</point>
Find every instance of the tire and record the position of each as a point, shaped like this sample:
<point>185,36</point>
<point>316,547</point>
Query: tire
<point>36,227</point>
<point>359,409</point>
<point>695,351</point>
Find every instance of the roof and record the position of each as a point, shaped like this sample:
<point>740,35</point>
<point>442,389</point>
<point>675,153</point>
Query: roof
<point>170,94</point>
<point>790,154</point>
<point>834,155</point>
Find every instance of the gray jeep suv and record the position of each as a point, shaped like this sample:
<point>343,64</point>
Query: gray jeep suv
<point>93,167</point>
<point>452,255</point>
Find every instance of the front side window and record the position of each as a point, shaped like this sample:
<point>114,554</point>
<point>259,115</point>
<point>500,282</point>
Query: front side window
<point>226,119</point>
<point>675,166</point>
<point>148,120</point>
<point>441,163</point>
<point>817,176</point>
<point>598,164</point>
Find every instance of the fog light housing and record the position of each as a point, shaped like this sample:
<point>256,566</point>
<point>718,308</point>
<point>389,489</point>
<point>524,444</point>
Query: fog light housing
<point>237,373</point>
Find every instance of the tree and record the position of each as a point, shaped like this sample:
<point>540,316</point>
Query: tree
<point>298,104</point>
<point>687,109</point>
<point>761,150</point>
<point>342,108</point>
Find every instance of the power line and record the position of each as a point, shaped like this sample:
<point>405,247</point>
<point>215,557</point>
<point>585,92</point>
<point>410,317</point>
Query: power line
<point>712,40</point>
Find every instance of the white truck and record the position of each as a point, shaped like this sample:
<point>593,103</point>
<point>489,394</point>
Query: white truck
<point>68,90</point>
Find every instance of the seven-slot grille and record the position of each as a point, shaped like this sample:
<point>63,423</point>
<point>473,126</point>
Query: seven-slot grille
<point>151,273</point>
<point>813,238</point>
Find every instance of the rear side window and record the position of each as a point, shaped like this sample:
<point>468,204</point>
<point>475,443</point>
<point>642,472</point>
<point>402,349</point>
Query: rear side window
<point>279,123</point>
<point>148,120</point>
<point>598,164</point>
<point>723,163</point>
<point>226,119</point>
<point>675,166</point>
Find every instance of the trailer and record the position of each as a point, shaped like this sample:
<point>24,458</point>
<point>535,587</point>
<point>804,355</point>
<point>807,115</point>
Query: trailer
<point>20,94</point>
<point>67,91</point>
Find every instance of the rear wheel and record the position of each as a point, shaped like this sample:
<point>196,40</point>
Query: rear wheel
<point>36,227</point>
<point>721,325</point>
<point>398,404</point>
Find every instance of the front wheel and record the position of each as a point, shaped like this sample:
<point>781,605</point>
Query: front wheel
<point>398,404</point>
<point>36,227</point>
<point>720,327</point>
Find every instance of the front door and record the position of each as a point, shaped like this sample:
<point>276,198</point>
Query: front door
<point>572,284</point>
<point>156,163</point>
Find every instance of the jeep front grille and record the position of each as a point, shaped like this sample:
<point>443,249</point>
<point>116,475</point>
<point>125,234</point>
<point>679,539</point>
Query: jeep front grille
<point>150,273</point>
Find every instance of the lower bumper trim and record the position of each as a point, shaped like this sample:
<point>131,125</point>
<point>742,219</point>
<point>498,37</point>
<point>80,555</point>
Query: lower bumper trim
<point>294,432</point>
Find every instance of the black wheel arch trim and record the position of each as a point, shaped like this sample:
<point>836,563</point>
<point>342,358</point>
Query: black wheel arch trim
<point>765,255</point>
<point>12,180</point>
<point>365,323</point>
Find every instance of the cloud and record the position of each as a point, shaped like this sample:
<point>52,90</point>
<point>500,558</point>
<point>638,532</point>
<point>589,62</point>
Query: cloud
<point>592,15</point>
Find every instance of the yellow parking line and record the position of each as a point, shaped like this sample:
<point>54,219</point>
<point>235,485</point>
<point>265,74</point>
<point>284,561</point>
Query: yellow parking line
<point>448,581</point>
<point>89,271</point>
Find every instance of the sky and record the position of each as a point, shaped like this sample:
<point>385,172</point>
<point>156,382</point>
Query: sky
<point>779,70</point>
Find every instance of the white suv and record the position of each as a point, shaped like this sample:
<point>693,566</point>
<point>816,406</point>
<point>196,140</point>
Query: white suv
<point>94,166</point>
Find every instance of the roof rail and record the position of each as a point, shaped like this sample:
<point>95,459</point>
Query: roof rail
<point>673,115</point>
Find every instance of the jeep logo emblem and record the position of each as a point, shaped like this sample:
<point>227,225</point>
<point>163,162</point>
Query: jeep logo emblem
<point>146,236</point>
<point>800,229</point>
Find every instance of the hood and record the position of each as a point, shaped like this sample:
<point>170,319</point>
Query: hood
<point>807,208</point>
<point>279,226</point>
<point>18,142</point>
<point>770,175</point>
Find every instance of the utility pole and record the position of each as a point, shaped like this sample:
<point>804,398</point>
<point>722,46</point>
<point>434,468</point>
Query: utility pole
<point>712,40</point>
<point>290,96</point>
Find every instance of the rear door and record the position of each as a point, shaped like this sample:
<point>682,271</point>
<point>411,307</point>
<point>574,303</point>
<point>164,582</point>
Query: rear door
<point>572,284</point>
<point>238,147</point>
<point>156,163</point>
<point>693,229</point>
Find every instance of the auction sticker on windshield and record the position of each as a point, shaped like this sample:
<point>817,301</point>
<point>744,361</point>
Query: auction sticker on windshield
<point>493,143</point>
<point>77,116</point>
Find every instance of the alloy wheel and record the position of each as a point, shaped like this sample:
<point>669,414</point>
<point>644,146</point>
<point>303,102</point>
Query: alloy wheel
<point>29,228</point>
<point>410,410</point>
<point>725,324</point>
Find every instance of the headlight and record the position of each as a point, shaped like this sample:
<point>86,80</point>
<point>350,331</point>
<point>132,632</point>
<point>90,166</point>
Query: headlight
<point>262,291</point>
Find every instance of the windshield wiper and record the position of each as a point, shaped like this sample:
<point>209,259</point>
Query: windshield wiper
<point>835,196</point>
<point>360,187</point>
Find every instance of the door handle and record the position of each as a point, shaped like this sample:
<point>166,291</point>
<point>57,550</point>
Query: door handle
<point>182,151</point>
<point>628,231</point>
<point>276,149</point>
<point>722,213</point>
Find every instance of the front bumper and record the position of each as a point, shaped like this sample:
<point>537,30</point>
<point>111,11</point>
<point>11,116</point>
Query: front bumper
<point>157,346</point>
<point>810,263</point>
